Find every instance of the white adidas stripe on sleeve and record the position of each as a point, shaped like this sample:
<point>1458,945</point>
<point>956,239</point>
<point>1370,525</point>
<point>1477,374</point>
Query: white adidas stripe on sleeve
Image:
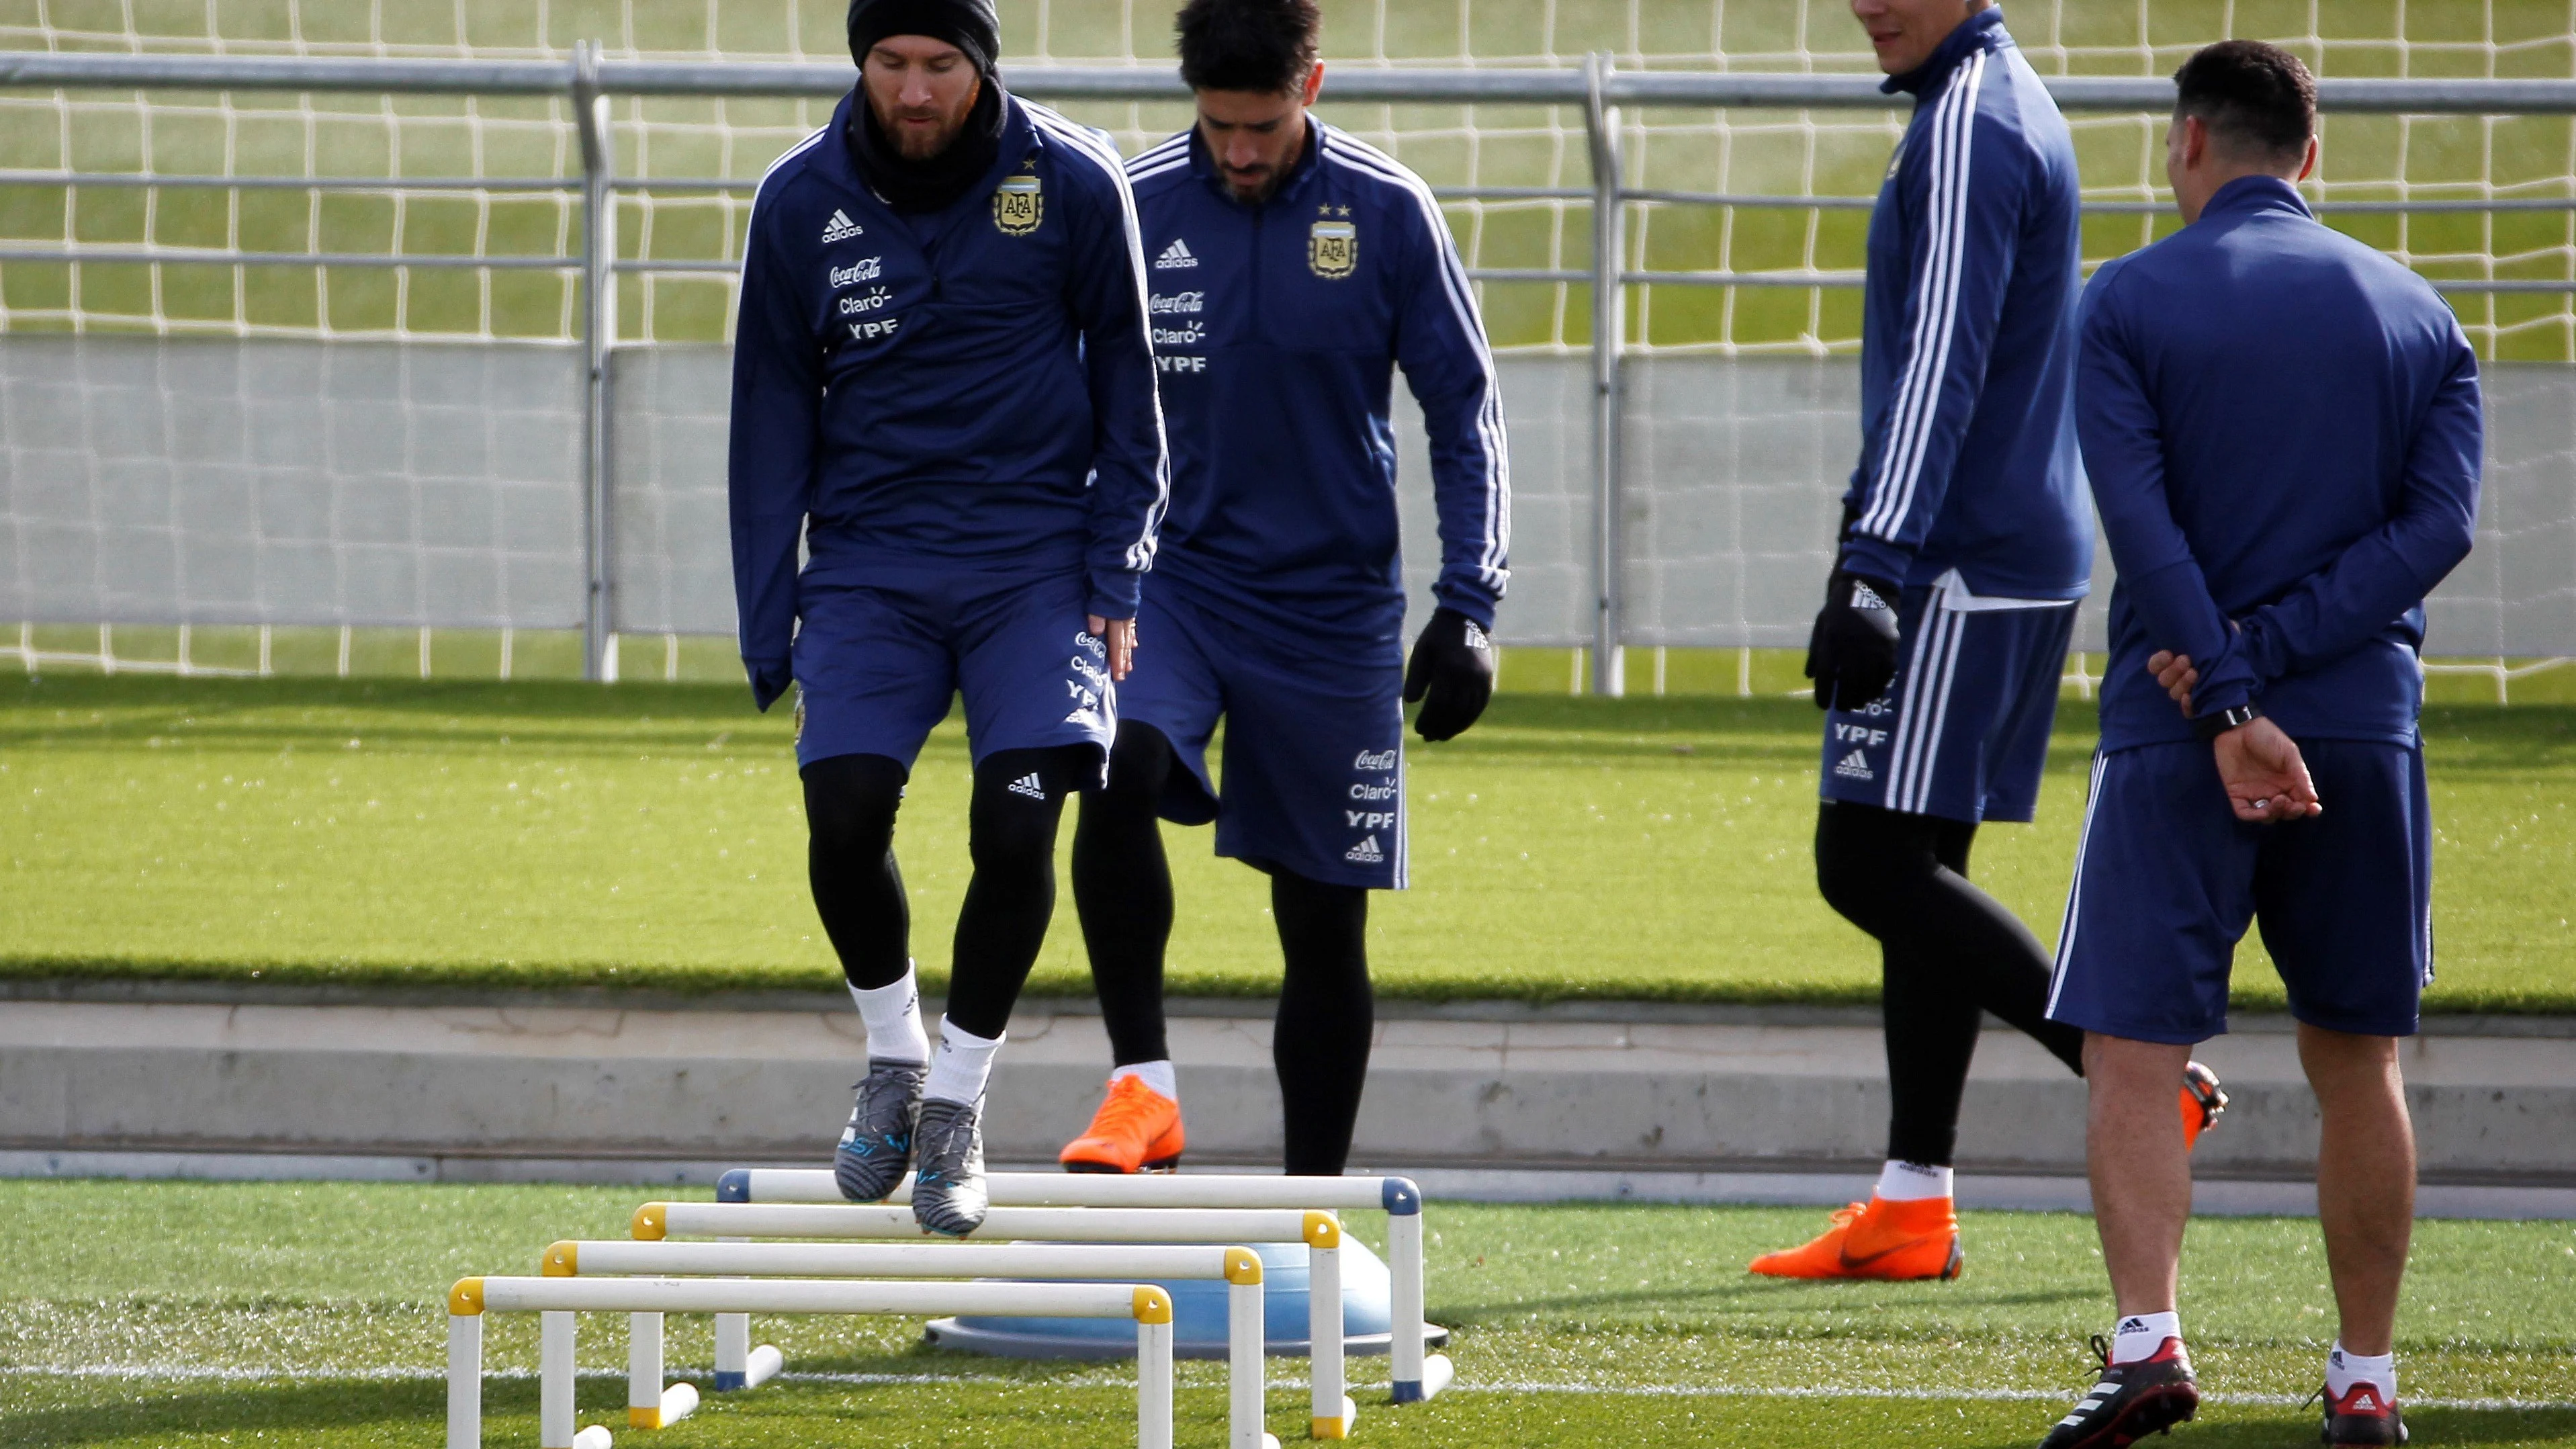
<point>1936,308</point>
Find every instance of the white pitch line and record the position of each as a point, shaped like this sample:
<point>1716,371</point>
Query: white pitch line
<point>1687,1391</point>
<point>1739,1391</point>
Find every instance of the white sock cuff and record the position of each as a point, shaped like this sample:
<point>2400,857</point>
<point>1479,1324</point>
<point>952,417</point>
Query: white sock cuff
<point>962,1065</point>
<point>893,1016</point>
<point>2345,1368</point>
<point>953,1035</point>
<point>1912,1181</point>
<point>2141,1334</point>
<point>1157,1075</point>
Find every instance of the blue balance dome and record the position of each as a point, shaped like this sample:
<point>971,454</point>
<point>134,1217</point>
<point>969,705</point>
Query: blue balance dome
<point>1199,1316</point>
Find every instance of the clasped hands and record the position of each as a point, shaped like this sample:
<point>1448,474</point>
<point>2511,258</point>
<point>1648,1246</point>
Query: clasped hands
<point>2267,782</point>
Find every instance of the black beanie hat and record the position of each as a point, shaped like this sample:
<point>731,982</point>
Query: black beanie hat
<point>973,26</point>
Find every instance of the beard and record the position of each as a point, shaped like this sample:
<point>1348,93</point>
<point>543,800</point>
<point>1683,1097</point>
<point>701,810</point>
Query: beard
<point>916,142</point>
<point>1259,190</point>
<point>923,133</point>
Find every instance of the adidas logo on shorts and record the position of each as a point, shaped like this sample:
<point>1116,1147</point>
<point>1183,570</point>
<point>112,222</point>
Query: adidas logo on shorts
<point>1365,853</point>
<point>840,227</point>
<point>1175,256</point>
<point>1028,785</point>
<point>1855,766</point>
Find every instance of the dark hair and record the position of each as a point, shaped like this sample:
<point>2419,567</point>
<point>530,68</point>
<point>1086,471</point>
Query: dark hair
<point>2253,97</point>
<point>1247,45</point>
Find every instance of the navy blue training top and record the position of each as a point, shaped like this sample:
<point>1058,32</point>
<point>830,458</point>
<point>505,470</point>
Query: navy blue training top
<point>1278,329</point>
<point>966,389</point>
<point>2283,432</point>
<point>1967,357</point>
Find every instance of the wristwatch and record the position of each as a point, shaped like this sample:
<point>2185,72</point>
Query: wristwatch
<point>2211,726</point>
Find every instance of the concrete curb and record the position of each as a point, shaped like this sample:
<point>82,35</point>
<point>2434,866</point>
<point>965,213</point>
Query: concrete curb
<point>155,992</point>
<point>1583,1108</point>
<point>2220,1197</point>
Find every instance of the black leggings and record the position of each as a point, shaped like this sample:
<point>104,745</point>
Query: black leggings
<point>850,805</point>
<point>1949,953</point>
<point>1122,887</point>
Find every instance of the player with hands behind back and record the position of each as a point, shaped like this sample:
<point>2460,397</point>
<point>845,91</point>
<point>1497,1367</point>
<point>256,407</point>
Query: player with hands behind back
<point>2283,432</point>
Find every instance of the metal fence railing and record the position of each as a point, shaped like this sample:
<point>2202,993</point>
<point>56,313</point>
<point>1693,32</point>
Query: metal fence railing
<point>1598,90</point>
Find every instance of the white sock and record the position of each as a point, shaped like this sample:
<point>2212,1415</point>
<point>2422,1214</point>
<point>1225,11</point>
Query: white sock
<point>1909,1181</point>
<point>893,1015</point>
<point>1157,1075</point>
<point>2345,1368</point>
<point>964,1064</point>
<point>2141,1334</point>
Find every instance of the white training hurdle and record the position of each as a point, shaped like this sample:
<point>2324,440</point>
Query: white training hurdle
<point>1332,1410</point>
<point>557,1299</point>
<point>1416,1374</point>
<point>1238,1267</point>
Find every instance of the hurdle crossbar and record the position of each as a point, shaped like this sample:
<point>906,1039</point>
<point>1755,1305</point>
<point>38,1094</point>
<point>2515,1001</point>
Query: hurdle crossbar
<point>1333,1411</point>
<point>1416,1374</point>
<point>472,1298</point>
<point>1239,1267</point>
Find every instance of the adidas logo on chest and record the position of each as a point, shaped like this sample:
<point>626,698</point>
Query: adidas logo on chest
<point>1175,257</point>
<point>840,228</point>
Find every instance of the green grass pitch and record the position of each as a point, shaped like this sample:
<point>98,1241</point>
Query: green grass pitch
<point>548,834</point>
<point>310,1314</point>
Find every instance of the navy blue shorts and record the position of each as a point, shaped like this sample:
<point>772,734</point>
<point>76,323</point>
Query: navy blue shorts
<point>1314,746</point>
<point>1963,732</point>
<point>2167,878</point>
<point>876,664</point>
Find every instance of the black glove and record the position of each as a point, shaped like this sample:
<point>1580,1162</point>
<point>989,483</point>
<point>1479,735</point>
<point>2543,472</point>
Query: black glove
<point>1851,653</point>
<point>1453,664</point>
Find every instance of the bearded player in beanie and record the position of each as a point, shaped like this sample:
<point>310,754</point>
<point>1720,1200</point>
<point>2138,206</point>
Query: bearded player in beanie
<point>943,386</point>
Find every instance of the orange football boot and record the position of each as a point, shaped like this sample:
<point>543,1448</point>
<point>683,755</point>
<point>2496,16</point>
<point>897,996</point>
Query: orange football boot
<point>1136,1129</point>
<point>2202,1100</point>
<point>1885,1241</point>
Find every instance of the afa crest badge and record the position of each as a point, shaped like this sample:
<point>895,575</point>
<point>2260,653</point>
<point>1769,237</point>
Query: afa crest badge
<point>1019,205</point>
<point>1333,249</point>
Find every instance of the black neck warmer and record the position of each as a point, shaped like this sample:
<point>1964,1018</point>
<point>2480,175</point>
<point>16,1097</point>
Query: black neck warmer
<point>933,185</point>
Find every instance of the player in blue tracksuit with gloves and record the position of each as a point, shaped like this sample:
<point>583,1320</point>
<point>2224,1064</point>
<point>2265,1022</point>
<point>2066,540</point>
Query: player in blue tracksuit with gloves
<point>1294,272</point>
<point>943,388</point>
<point>1964,549</point>
<point>2283,431</point>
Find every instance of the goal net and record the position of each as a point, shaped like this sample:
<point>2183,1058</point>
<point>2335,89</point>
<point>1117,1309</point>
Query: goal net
<point>1749,370</point>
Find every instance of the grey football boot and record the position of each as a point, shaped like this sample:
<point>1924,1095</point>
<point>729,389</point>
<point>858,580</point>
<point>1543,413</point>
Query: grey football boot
<point>948,1192</point>
<point>877,1145</point>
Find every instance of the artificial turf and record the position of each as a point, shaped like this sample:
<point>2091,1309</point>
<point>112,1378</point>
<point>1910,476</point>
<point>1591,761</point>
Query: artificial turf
<point>310,1313</point>
<point>556,834</point>
<point>549,835</point>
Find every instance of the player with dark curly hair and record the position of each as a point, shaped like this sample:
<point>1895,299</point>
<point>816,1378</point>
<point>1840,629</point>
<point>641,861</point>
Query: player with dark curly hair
<point>1295,270</point>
